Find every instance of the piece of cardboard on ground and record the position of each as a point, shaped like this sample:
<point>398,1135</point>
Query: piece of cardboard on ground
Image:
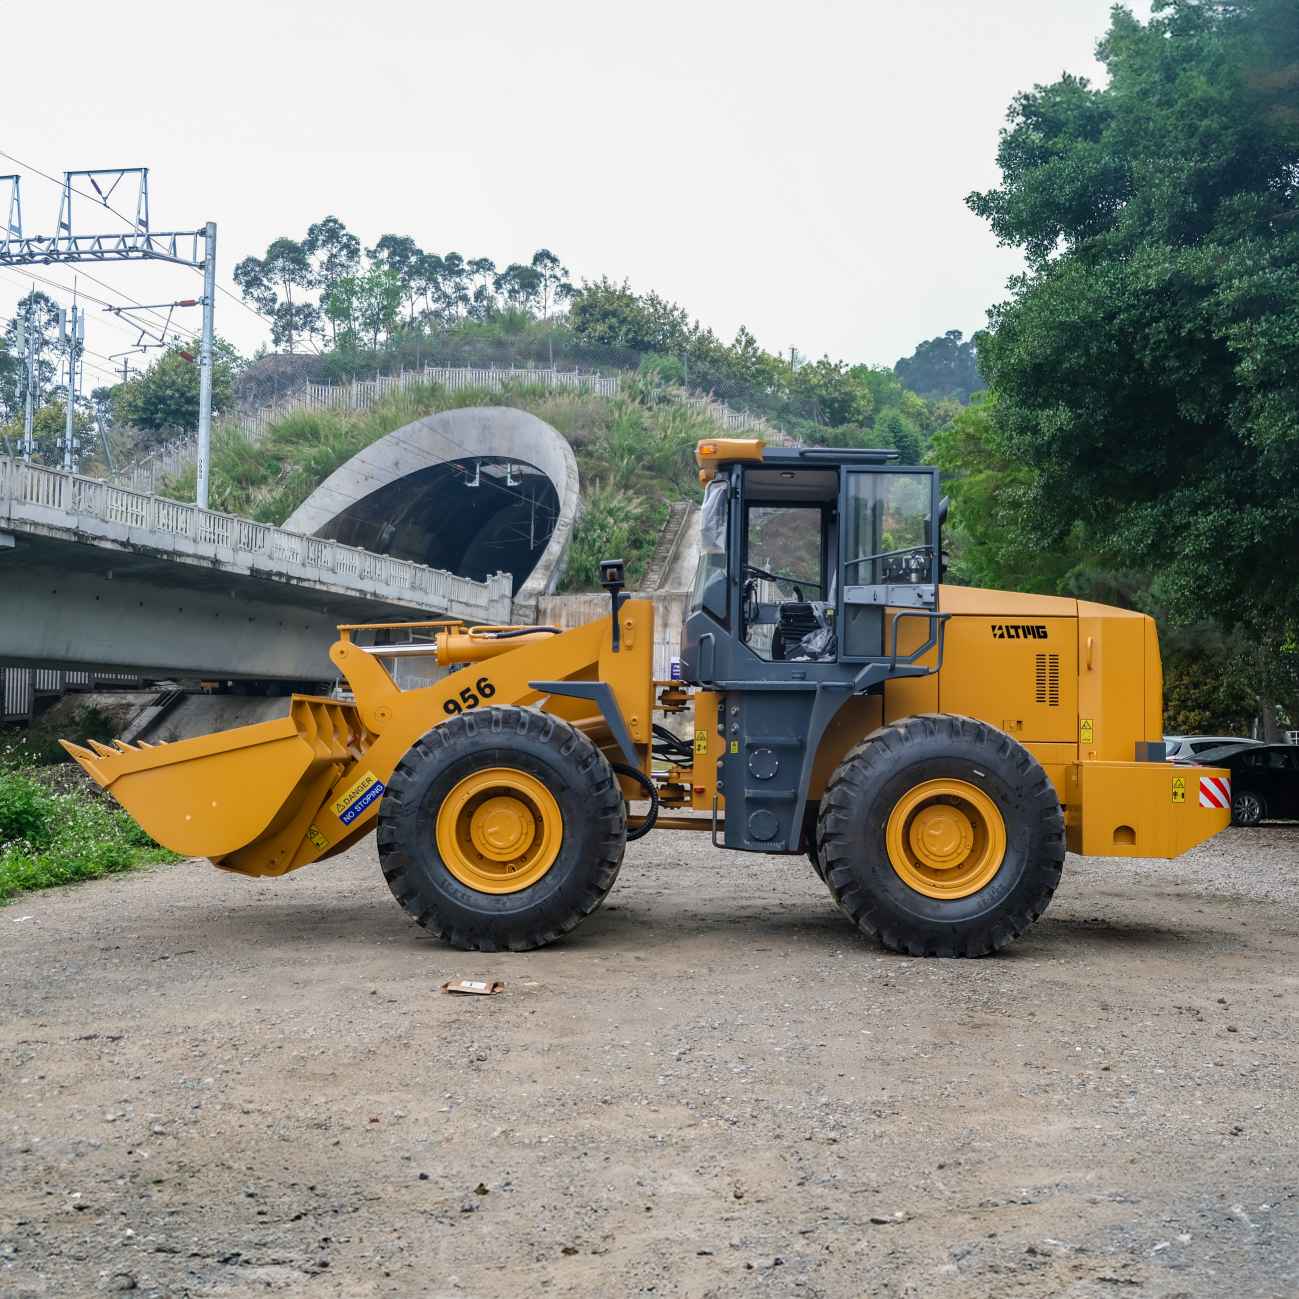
<point>475,987</point>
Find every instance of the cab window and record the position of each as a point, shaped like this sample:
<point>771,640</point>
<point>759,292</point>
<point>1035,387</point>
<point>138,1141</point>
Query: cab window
<point>791,525</point>
<point>890,529</point>
<point>710,590</point>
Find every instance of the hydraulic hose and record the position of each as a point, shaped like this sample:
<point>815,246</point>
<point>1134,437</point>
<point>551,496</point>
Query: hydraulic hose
<point>651,793</point>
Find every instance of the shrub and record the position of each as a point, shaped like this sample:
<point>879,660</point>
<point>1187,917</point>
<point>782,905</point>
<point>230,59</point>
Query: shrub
<point>26,811</point>
<point>49,838</point>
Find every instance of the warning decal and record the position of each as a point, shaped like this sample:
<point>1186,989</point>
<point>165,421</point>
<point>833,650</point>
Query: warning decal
<point>1179,789</point>
<point>1086,731</point>
<point>701,741</point>
<point>357,798</point>
<point>316,838</point>
<point>1215,791</point>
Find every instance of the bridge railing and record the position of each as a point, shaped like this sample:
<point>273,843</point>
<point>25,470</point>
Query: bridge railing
<point>59,498</point>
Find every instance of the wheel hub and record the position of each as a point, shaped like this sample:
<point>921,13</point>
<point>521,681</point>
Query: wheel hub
<point>940,836</point>
<point>946,838</point>
<point>499,830</point>
<point>502,828</point>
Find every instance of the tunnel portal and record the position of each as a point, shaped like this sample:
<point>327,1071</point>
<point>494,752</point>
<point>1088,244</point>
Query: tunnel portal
<point>474,516</point>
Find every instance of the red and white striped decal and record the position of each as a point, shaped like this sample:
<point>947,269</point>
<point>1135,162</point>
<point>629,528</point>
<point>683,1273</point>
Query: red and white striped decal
<point>1215,791</point>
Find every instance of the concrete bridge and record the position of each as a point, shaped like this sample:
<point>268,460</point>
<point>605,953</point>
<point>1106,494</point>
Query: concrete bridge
<point>93,575</point>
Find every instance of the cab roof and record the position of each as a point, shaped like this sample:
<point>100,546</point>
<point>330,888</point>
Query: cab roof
<point>715,452</point>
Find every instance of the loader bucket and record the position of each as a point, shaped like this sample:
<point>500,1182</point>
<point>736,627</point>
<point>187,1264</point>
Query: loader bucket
<point>243,792</point>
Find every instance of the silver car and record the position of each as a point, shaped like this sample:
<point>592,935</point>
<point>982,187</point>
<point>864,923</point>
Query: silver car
<point>1190,748</point>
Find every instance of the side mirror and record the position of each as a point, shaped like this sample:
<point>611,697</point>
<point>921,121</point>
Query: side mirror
<point>612,578</point>
<point>943,506</point>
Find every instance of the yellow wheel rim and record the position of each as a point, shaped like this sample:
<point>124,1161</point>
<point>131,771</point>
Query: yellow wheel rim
<point>499,830</point>
<point>946,839</point>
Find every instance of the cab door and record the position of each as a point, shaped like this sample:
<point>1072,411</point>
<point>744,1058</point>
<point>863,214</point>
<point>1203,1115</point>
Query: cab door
<point>889,558</point>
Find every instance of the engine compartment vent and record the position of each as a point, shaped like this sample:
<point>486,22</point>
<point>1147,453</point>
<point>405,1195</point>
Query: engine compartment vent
<point>1048,680</point>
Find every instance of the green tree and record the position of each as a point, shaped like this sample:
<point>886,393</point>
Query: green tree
<point>482,276</point>
<point>335,253</point>
<point>554,285</point>
<point>49,424</point>
<point>834,394</point>
<point>378,300</point>
<point>613,315</point>
<point>276,285</point>
<point>428,274</point>
<point>894,429</point>
<point>1147,364</point>
<point>44,318</point>
<point>942,367</point>
<point>520,286</point>
<point>454,290</point>
<point>164,399</point>
<point>401,255</point>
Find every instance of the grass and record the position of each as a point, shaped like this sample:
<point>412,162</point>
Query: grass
<point>56,831</point>
<point>634,454</point>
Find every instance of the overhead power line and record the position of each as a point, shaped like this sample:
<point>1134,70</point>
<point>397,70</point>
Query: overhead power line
<point>193,248</point>
<point>179,335</point>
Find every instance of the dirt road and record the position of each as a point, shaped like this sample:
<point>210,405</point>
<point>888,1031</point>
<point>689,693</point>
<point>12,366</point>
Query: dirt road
<point>215,1087</point>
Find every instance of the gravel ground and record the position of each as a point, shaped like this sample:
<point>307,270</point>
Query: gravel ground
<point>219,1087</point>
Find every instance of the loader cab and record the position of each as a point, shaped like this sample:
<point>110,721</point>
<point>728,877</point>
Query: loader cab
<point>802,550</point>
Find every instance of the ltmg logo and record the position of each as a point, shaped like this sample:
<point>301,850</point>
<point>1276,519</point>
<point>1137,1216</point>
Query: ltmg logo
<point>1019,631</point>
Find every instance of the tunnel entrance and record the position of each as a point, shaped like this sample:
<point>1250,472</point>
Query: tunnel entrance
<point>475,516</point>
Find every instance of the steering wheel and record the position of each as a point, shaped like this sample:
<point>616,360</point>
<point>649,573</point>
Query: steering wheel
<point>907,565</point>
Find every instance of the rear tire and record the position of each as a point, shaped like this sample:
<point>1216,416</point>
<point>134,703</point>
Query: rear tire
<point>1248,808</point>
<point>911,907</point>
<point>560,799</point>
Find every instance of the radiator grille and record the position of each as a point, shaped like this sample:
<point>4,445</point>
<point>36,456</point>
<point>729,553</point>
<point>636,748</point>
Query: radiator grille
<point>1048,680</point>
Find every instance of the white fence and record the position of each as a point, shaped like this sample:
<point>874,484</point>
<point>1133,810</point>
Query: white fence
<point>64,499</point>
<point>177,457</point>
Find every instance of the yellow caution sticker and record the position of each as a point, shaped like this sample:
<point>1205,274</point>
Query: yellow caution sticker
<point>701,741</point>
<point>1086,731</point>
<point>735,746</point>
<point>317,839</point>
<point>1179,789</point>
<point>357,798</point>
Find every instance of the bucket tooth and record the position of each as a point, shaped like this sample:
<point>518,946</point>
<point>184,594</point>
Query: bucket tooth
<point>246,792</point>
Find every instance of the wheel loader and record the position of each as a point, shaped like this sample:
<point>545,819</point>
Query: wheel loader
<point>932,749</point>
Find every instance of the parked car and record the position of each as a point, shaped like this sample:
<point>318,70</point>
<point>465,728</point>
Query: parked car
<point>1190,748</point>
<point>1264,782</point>
<point>1213,757</point>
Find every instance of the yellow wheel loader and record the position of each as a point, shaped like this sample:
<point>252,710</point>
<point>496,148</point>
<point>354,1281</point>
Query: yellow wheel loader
<point>932,749</point>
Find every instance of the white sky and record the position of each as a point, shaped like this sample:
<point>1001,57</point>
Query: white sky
<point>800,169</point>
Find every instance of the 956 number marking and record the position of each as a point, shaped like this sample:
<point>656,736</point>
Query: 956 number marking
<point>470,697</point>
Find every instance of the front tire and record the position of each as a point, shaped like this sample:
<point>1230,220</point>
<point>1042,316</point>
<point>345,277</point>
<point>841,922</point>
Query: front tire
<point>1247,808</point>
<point>941,836</point>
<point>502,829</point>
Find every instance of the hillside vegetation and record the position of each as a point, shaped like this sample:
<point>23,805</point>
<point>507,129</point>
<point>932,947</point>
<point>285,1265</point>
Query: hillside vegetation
<point>634,455</point>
